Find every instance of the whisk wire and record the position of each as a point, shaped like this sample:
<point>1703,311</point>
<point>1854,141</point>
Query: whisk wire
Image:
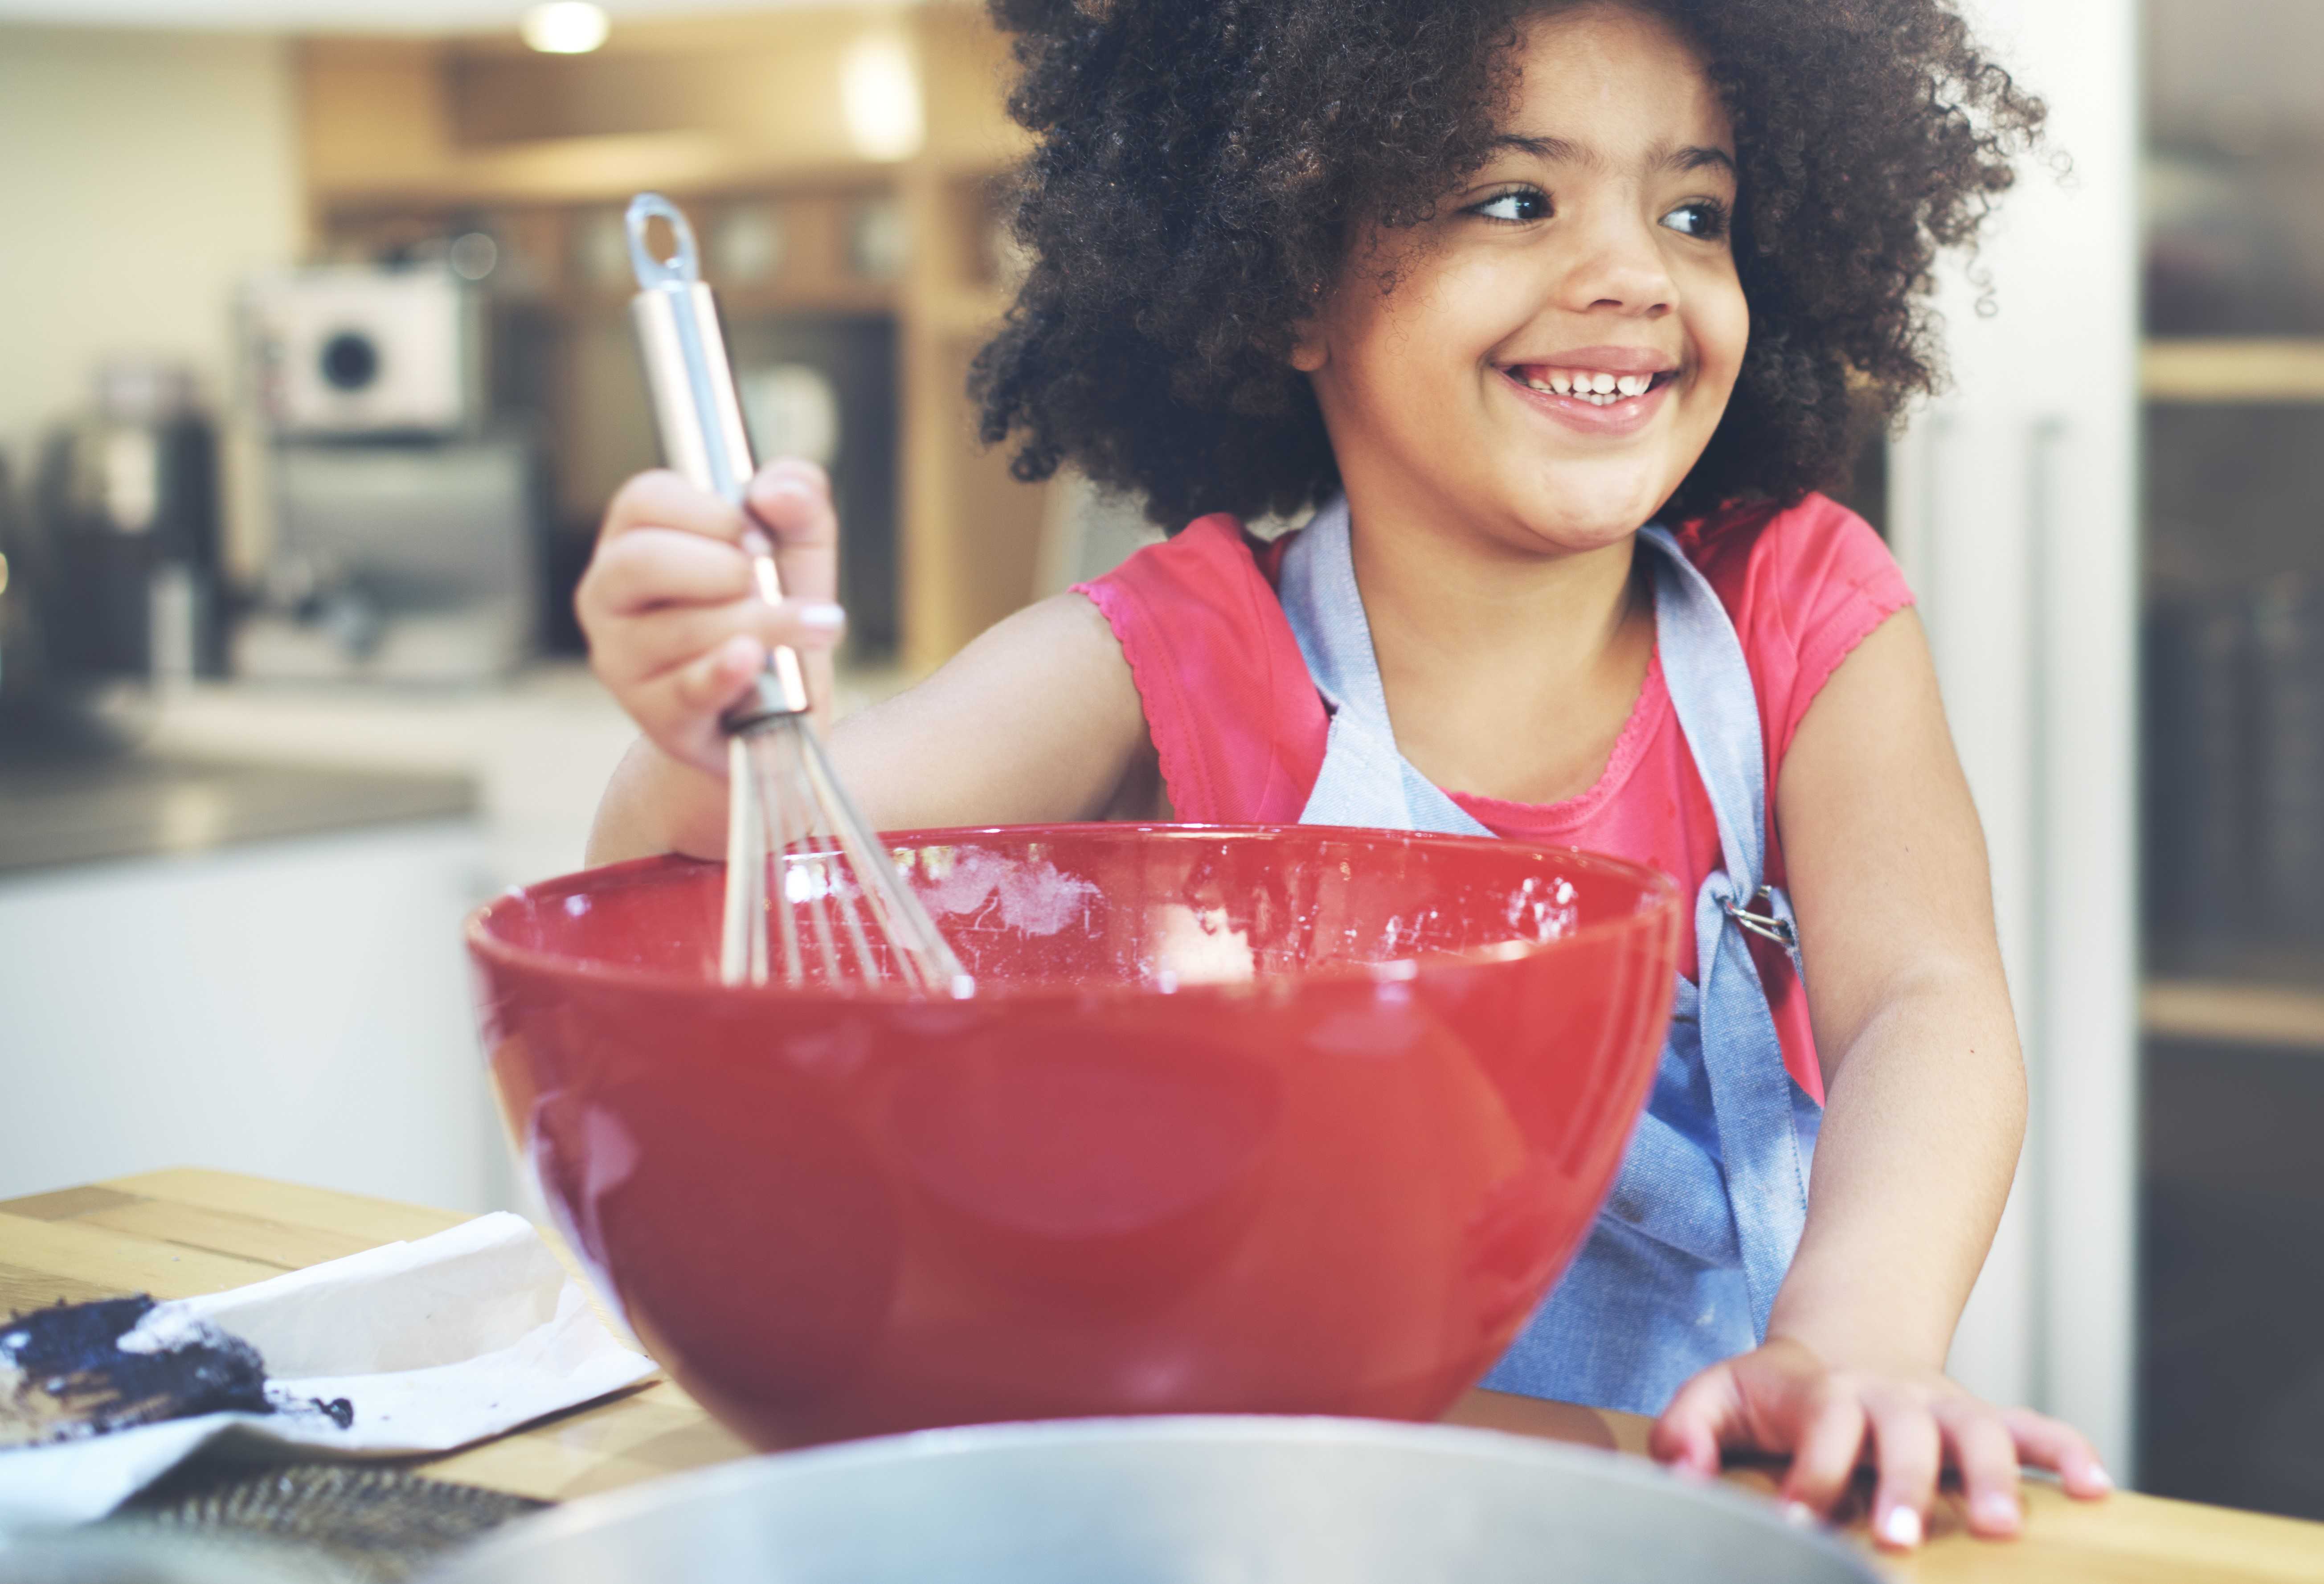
<point>738,963</point>
<point>800,848</point>
<point>810,876</point>
<point>869,872</point>
<point>794,840</point>
<point>921,955</point>
<point>814,774</point>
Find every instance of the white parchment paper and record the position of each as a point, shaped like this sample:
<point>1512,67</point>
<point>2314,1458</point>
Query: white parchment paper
<point>434,1344</point>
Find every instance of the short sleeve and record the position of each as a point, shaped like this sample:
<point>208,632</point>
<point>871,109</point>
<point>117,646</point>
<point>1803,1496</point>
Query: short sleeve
<point>1236,722</point>
<point>1804,586</point>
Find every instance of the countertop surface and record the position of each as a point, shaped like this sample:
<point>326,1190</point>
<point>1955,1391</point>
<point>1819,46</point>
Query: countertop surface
<point>176,1233</point>
<point>85,808</point>
<point>530,756</point>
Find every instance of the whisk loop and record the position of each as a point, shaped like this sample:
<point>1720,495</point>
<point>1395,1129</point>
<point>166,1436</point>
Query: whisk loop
<point>797,851</point>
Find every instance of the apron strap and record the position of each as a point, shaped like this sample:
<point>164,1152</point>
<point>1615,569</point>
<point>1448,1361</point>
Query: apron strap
<point>1365,781</point>
<point>1718,710</point>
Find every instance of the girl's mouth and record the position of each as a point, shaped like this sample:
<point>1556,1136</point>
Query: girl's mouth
<point>1597,403</point>
<point>1595,387</point>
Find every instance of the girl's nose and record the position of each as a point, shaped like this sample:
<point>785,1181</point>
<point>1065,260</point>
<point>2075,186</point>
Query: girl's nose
<point>1619,269</point>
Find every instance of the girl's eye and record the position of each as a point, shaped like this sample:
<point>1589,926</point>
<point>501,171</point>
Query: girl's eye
<point>1515,207</point>
<point>1705,218</point>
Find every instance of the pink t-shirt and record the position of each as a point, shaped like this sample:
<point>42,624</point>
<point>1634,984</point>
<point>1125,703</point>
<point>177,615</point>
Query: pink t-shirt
<point>1239,728</point>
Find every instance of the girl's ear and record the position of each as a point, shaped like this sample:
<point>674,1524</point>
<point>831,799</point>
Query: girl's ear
<point>1309,350</point>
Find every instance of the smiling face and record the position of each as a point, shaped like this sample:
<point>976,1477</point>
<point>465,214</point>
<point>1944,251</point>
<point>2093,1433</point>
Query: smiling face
<point>1562,339</point>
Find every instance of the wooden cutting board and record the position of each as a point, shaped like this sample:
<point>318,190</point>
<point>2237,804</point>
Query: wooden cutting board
<point>180,1232</point>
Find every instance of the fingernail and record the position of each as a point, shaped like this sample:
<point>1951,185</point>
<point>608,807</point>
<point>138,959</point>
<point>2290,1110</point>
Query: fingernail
<point>1799,1515</point>
<point>2100,1477</point>
<point>1997,1509</point>
<point>822,618</point>
<point>1901,1527</point>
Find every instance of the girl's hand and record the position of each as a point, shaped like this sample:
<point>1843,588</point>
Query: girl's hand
<point>1780,1398</point>
<point>676,627</point>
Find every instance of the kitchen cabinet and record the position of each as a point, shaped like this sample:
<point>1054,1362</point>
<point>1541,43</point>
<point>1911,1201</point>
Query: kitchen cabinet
<point>250,967</point>
<point>2123,479</point>
<point>2233,675</point>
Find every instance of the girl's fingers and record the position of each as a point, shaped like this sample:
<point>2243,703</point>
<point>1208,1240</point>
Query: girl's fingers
<point>715,680</point>
<point>2044,1443</point>
<point>1694,1428</point>
<point>680,709</point>
<point>648,567</point>
<point>792,499</point>
<point>1910,1456</point>
<point>662,498</point>
<point>633,652</point>
<point>1986,1456</point>
<point>1828,1448</point>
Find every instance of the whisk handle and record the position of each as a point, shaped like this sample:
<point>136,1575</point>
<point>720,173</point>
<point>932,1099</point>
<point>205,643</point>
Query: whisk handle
<point>699,415</point>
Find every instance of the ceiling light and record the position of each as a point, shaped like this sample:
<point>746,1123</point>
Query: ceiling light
<point>565,27</point>
<point>879,95</point>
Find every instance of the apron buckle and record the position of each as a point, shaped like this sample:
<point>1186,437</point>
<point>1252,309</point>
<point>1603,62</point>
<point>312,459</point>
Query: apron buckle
<point>1770,925</point>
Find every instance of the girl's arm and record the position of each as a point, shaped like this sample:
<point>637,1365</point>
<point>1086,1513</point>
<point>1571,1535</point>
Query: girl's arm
<point>1925,1112</point>
<point>1037,720</point>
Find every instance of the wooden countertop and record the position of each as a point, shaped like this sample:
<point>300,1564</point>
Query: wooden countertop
<point>176,1233</point>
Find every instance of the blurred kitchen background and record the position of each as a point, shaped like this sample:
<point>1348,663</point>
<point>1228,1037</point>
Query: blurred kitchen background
<point>315,376</point>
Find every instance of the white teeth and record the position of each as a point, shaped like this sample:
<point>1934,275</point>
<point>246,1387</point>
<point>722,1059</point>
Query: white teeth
<point>1598,389</point>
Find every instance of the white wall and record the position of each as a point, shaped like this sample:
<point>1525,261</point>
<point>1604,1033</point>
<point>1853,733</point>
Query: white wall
<point>2014,502</point>
<point>142,176</point>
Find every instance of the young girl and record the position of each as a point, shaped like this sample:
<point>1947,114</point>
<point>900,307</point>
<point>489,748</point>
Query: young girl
<point>1553,314</point>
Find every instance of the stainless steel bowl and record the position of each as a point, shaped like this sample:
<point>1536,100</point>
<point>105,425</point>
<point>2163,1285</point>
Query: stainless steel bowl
<point>1170,1501</point>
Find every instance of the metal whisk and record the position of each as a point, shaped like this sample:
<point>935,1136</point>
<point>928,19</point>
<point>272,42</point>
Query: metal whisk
<point>796,850</point>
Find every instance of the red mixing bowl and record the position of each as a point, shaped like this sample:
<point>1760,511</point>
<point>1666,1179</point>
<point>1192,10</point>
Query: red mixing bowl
<point>1287,1120</point>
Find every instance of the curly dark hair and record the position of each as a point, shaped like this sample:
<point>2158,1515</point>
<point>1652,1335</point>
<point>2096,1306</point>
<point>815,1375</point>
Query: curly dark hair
<point>1203,165</point>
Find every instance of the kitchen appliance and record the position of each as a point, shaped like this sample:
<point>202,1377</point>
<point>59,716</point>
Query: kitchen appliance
<point>1168,1501</point>
<point>23,649</point>
<point>347,350</point>
<point>798,852</point>
<point>1290,1119</point>
<point>407,533</point>
<point>125,525</point>
<point>413,562</point>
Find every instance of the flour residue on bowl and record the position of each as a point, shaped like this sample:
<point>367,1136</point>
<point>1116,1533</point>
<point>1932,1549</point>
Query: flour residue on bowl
<point>1544,908</point>
<point>1034,897</point>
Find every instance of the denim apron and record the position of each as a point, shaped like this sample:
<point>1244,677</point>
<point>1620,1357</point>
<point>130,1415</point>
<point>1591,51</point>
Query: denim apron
<point>1683,1262</point>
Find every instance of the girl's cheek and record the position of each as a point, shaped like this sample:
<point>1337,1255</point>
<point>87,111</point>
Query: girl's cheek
<point>1720,325</point>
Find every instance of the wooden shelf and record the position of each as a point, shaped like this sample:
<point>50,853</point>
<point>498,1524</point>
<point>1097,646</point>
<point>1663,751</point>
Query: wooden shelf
<point>2229,371</point>
<point>402,138</point>
<point>2225,1012</point>
<point>739,302</point>
<point>970,311</point>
